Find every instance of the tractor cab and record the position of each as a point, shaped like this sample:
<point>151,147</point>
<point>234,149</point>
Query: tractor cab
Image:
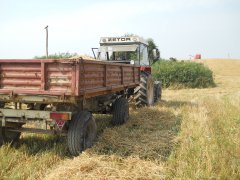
<point>128,50</point>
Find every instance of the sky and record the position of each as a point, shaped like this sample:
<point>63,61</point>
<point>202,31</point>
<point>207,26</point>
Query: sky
<point>180,28</point>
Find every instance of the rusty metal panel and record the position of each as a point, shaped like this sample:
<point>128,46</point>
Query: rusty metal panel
<point>39,77</point>
<point>98,78</point>
<point>15,76</point>
<point>64,78</point>
<point>36,77</point>
<point>91,76</point>
<point>59,77</point>
<point>114,75</point>
<point>128,75</point>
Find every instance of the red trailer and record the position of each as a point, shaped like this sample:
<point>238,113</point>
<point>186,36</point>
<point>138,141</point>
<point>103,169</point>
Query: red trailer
<point>63,94</point>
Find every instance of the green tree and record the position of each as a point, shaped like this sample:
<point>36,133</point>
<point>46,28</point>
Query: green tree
<point>151,48</point>
<point>57,56</point>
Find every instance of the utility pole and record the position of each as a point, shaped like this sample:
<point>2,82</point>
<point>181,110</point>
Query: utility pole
<point>46,41</point>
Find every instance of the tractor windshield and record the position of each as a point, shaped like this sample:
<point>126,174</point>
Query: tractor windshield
<point>134,54</point>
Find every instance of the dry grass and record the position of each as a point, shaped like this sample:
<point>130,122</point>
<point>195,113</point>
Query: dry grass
<point>35,154</point>
<point>192,134</point>
<point>134,150</point>
<point>92,166</point>
<point>223,67</point>
<point>209,146</point>
<point>226,71</point>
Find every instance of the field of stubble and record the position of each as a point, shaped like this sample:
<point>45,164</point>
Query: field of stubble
<point>190,134</point>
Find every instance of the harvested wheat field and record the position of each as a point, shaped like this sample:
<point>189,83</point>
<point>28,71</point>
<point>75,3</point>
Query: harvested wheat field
<point>190,134</point>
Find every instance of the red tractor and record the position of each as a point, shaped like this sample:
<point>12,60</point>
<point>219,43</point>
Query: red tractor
<point>133,50</point>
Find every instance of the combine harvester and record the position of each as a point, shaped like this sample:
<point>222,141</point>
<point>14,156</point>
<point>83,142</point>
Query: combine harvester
<point>63,94</point>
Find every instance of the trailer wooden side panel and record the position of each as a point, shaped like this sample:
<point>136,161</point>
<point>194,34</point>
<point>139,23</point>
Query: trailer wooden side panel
<point>63,79</point>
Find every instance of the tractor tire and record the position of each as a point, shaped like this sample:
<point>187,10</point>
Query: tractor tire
<point>157,91</point>
<point>82,132</point>
<point>144,93</point>
<point>7,136</point>
<point>120,111</point>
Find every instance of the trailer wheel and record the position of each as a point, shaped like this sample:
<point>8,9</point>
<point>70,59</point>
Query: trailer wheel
<point>157,91</point>
<point>7,136</point>
<point>120,111</point>
<point>144,93</point>
<point>81,133</point>
<point>1,137</point>
<point>2,104</point>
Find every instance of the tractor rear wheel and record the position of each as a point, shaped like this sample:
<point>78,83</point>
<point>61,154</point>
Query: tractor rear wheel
<point>144,93</point>
<point>81,133</point>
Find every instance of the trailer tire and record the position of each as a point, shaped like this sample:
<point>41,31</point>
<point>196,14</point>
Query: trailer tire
<point>2,104</point>
<point>120,111</point>
<point>144,93</point>
<point>1,137</point>
<point>157,91</point>
<point>81,133</point>
<point>8,136</point>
